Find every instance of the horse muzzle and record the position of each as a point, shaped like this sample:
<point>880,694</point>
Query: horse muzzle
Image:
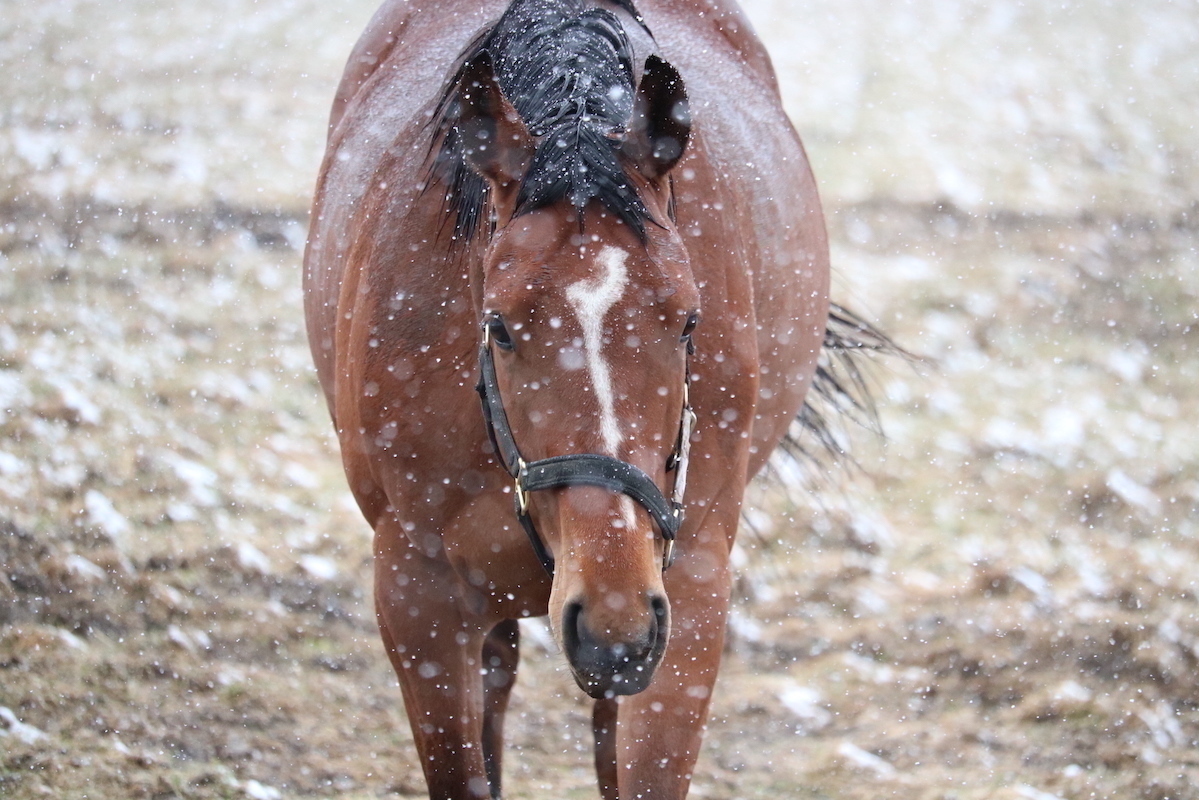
<point>606,663</point>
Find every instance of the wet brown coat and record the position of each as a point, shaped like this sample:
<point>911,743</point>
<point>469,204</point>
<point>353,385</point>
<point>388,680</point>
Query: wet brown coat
<point>394,325</point>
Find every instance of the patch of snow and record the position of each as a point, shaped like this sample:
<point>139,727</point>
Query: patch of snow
<point>300,476</point>
<point>169,596</point>
<point>858,757</point>
<point>868,669</point>
<point>868,602</point>
<point>38,149</point>
<point>743,627</point>
<point>180,638</point>
<point>78,565</point>
<point>190,641</point>
<point>200,479</point>
<point>104,515</point>
<point>1163,726</point>
<point>1034,582</point>
<point>1006,434</point>
<point>1072,691</point>
<point>807,704</point>
<point>1127,365</point>
<point>74,400</point>
<point>182,512</point>
<point>10,464</point>
<point>871,531</point>
<point>318,567</point>
<point>259,791</point>
<point>537,632</point>
<point>253,559</point>
<point>760,521</point>
<point>922,580</point>
<point>14,394</point>
<point>276,608</point>
<point>230,675</point>
<point>70,639</point>
<point>1133,493</point>
<point>11,726</point>
<point>1063,430</point>
<point>1091,573</point>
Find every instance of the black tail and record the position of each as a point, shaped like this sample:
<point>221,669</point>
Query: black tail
<point>840,390</point>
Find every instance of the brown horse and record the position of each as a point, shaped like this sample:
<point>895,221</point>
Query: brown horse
<point>598,217</point>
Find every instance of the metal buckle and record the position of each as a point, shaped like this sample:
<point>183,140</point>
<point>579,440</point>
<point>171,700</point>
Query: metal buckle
<point>687,422</point>
<point>522,496</point>
<point>667,554</point>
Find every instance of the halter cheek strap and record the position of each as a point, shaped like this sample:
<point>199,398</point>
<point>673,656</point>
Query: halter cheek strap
<point>584,469</point>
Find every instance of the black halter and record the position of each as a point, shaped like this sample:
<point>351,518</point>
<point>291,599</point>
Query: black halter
<point>585,469</point>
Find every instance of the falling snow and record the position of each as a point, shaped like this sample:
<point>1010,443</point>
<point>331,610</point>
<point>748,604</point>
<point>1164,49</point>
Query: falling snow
<point>1000,601</point>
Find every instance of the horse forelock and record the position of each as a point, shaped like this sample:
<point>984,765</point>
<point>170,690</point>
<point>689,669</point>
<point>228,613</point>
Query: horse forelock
<point>567,69</point>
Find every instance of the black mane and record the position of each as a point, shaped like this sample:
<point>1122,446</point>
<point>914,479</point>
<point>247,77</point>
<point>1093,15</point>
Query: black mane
<point>567,69</point>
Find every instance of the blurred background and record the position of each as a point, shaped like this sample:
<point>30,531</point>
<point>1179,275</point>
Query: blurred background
<point>998,602</point>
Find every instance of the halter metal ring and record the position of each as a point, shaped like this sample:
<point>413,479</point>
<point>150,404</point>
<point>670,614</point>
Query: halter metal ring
<point>522,494</point>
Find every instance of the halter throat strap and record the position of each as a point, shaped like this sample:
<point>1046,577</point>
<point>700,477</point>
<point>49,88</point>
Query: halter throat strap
<point>583,469</point>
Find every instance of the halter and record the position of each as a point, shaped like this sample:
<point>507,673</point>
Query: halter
<point>584,469</point>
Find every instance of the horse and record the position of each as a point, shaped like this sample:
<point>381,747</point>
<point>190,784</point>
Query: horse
<point>566,289</point>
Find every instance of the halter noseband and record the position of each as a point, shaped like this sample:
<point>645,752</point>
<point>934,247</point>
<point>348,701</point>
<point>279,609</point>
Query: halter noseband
<point>584,469</point>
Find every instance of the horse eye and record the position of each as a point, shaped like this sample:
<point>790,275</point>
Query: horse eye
<point>499,332</point>
<point>692,321</point>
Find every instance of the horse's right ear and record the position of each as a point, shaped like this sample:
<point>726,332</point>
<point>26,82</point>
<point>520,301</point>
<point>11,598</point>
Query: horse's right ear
<point>661,123</point>
<point>495,141</point>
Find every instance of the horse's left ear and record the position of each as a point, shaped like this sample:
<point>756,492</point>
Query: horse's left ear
<point>494,138</point>
<point>661,122</point>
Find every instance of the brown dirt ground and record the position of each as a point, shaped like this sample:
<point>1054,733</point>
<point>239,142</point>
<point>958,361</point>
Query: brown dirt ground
<point>967,616</point>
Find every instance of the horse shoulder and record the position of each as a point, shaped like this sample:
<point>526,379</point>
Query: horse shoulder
<point>384,32</point>
<point>720,25</point>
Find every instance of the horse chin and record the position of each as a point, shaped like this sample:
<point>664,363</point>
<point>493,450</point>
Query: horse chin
<point>633,680</point>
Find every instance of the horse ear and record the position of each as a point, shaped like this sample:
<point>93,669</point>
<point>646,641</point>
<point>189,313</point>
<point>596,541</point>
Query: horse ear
<point>661,123</point>
<point>494,139</point>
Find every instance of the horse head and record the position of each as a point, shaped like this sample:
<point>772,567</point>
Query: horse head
<point>586,303</point>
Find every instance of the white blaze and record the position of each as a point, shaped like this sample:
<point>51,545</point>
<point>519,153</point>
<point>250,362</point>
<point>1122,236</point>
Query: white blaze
<point>591,300</point>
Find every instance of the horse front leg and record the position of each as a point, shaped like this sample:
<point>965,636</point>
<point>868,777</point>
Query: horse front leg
<point>660,730</point>
<point>436,650</point>
<point>603,725</point>
<point>501,656</point>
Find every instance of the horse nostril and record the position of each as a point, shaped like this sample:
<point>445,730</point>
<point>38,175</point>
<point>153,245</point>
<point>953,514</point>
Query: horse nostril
<point>571,634</point>
<point>660,627</point>
<point>657,604</point>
